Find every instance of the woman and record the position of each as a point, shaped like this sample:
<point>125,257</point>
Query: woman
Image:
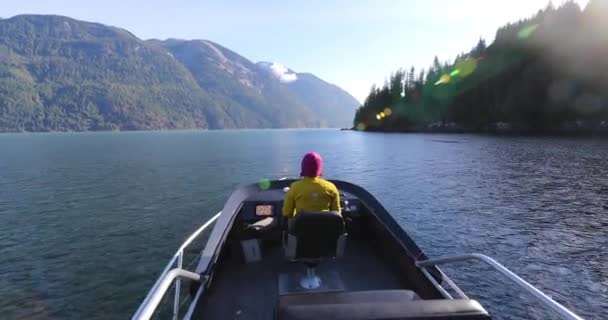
<point>311,192</point>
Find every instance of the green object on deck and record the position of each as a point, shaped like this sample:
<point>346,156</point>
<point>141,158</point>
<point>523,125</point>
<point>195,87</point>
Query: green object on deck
<point>264,184</point>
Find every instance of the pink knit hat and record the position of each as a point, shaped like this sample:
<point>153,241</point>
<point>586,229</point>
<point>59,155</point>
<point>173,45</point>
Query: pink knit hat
<point>312,165</point>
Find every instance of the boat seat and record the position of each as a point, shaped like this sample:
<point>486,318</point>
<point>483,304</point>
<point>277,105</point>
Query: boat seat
<point>351,297</point>
<point>378,304</point>
<point>314,237</point>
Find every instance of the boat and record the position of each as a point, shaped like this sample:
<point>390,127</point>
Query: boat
<point>357,264</point>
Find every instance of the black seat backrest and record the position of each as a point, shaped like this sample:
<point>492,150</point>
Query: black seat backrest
<point>317,234</point>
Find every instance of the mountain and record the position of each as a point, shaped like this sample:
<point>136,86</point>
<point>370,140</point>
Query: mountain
<point>263,88</point>
<point>252,97</point>
<point>328,101</point>
<point>61,74</point>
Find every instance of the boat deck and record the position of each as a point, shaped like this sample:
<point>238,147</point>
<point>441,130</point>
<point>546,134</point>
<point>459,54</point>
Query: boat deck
<point>250,290</point>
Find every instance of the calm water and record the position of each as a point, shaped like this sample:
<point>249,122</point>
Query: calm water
<point>88,220</point>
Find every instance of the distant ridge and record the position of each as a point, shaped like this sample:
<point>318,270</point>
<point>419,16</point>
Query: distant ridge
<point>61,74</point>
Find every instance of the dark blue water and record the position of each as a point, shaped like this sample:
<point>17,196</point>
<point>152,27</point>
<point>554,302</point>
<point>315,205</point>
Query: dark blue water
<point>88,220</point>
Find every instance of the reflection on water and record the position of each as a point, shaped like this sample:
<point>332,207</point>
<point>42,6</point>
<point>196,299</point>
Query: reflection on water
<point>88,220</point>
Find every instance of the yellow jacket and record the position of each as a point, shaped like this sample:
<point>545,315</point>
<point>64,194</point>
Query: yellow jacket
<point>311,194</point>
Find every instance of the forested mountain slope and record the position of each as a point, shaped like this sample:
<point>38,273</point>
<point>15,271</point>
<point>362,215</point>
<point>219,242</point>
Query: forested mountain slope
<point>548,73</point>
<point>61,74</point>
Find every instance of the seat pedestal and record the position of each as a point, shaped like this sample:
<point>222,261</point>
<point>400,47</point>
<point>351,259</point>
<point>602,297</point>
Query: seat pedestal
<point>292,282</point>
<point>311,280</point>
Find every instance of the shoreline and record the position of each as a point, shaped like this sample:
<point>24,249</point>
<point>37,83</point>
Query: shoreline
<point>603,132</point>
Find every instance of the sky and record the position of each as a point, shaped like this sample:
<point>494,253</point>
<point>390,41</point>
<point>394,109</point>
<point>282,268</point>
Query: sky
<point>351,43</point>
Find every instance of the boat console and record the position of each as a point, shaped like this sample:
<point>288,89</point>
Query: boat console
<point>269,203</point>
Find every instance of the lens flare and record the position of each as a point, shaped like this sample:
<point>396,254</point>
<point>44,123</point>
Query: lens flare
<point>465,67</point>
<point>454,73</point>
<point>264,184</point>
<point>382,114</point>
<point>361,126</point>
<point>378,117</point>
<point>444,79</point>
<point>388,111</point>
<point>526,32</point>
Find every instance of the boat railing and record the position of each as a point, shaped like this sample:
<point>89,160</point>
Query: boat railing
<point>173,272</point>
<point>564,312</point>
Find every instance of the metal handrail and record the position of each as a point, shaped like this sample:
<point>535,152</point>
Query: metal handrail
<point>157,295</point>
<point>179,256</point>
<point>443,292</point>
<point>545,299</point>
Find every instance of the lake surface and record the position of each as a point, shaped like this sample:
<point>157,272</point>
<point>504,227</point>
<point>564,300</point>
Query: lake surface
<point>87,221</point>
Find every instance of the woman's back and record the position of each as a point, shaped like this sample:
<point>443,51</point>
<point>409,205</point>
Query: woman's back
<point>311,193</point>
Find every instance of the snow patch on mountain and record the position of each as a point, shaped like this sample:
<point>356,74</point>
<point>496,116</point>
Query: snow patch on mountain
<point>280,71</point>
